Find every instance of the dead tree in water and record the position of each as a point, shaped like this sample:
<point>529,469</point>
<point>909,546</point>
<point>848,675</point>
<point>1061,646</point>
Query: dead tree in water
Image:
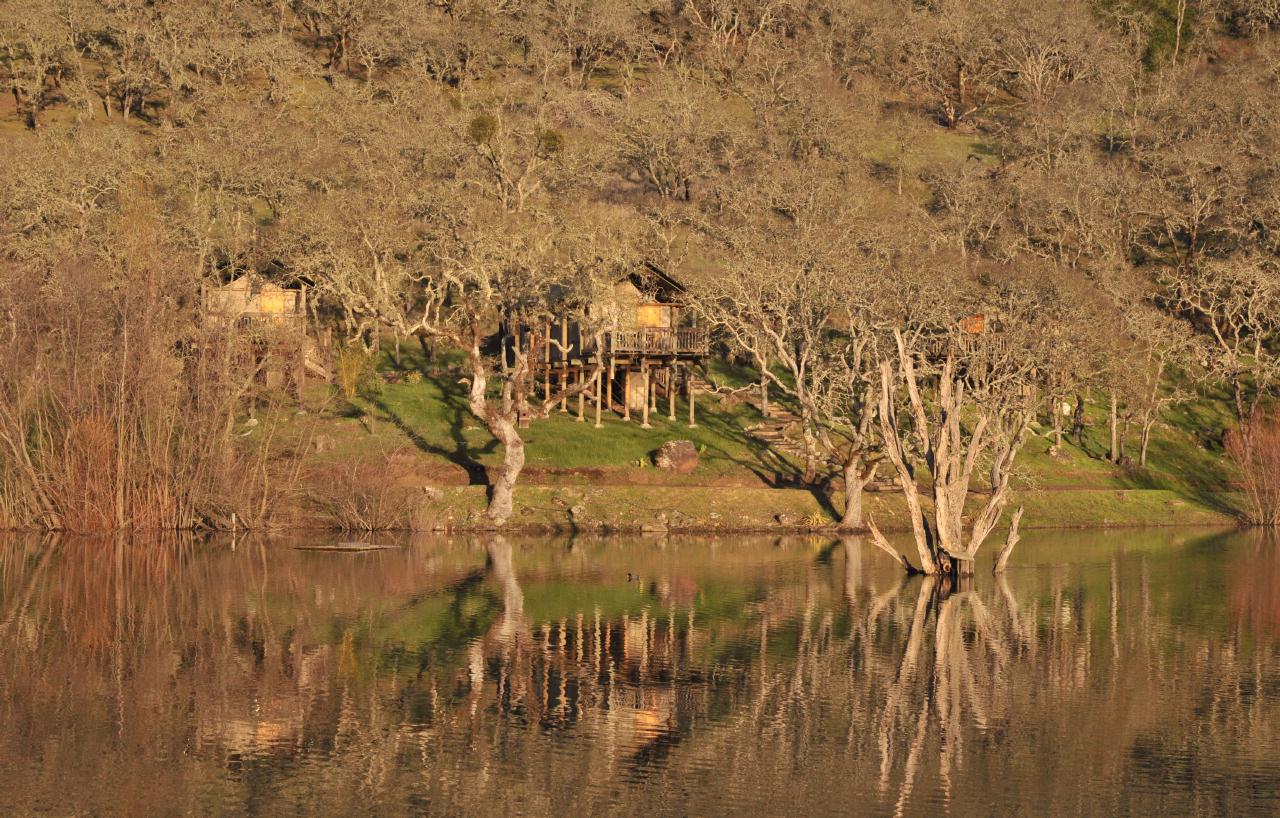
<point>954,410</point>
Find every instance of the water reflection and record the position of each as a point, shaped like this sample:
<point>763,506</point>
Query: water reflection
<point>1106,674</point>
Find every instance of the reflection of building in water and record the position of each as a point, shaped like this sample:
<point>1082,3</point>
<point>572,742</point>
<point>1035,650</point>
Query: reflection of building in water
<point>621,675</point>
<point>280,683</point>
<point>269,716</point>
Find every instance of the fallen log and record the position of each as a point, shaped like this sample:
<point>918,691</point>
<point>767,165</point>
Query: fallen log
<point>346,547</point>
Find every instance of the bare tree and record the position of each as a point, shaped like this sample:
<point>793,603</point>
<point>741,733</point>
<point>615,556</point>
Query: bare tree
<point>673,138</point>
<point>953,402</point>
<point>789,293</point>
<point>463,243</point>
<point>1168,354</point>
<point>1237,301</point>
<point>38,57</point>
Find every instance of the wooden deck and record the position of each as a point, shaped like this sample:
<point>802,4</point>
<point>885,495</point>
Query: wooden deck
<point>657,342</point>
<point>966,346</point>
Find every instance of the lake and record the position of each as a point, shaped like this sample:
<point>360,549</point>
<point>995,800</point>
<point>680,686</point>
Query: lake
<point>1125,672</point>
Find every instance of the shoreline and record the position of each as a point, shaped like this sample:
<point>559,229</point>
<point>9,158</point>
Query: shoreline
<point>653,509</point>
<point>712,510</point>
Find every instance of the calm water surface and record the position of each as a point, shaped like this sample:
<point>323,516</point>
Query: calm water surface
<point>1108,674</point>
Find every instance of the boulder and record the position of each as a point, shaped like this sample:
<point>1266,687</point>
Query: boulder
<point>679,456</point>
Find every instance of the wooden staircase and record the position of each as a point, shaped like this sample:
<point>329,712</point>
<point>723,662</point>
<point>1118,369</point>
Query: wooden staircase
<point>778,430</point>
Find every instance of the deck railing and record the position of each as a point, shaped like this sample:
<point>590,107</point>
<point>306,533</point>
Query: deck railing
<point>969,345</point>
<point>657,341</point>
<point>259,320</point>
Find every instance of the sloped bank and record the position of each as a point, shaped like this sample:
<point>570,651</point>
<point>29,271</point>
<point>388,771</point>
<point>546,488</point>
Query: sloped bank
<point>742,509</point>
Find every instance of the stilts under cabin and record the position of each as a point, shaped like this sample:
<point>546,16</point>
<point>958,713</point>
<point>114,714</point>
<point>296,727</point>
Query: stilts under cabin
<point>645,344</point>
<point>976,337</point>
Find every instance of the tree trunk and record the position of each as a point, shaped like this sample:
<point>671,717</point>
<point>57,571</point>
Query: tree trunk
<point>1113,454</point>
<point>1144,443</point>
<point>502,425</point>
<point>810,475</point>
<point>502,495</point>
<point>896,453</point>
<point>810,446</point>
<point>851,520</point>
<point>1077,427</point>
<point>1057,424</point>
<point>1010,541</point>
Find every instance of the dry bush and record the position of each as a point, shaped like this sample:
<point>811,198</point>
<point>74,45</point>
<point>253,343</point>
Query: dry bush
<point>1255,449</point>
<point>362,495</point>
<point>356,374</point>
<point>116,406</point>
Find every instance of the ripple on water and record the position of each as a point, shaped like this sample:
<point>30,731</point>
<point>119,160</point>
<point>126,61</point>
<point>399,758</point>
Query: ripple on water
<point>1107,674</point>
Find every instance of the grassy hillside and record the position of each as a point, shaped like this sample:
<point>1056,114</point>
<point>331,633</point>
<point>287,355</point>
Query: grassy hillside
<point>418,432</point>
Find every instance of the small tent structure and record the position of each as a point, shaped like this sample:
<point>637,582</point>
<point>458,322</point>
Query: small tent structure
<point>647,346</point>
<point>275,317</point>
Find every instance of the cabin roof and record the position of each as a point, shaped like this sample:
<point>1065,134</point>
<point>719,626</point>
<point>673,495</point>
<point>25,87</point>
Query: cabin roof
<point>254,280</point>
<point>652,279</point>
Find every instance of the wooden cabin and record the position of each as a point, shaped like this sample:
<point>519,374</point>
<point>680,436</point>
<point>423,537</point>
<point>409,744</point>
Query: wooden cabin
<point>648,347</point>
<point>275,318</point>
<point>976,335</point>
<point>249,299</point>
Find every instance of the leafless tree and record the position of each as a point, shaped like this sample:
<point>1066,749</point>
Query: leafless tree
<point>1237,301</point>
<point>793,294</point>
<point>952,403</point>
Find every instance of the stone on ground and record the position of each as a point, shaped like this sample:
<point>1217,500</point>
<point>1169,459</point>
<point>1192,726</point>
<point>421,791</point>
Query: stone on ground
<point>679,456</point>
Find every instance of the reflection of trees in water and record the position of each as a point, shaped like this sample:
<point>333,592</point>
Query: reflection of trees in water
<point>1254,584</point>
<point>1070,687</point>
<point>278,680</point>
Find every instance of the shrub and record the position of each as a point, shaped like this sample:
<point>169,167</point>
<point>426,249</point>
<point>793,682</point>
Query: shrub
<point>363,495</point>
<point>356,374</point>
<point>1255,449</point>
<point>119,416</point>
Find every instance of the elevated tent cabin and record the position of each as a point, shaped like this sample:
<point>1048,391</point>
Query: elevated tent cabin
<point>274,317</point>
<point>249,299</point>
<point>975,335</point>
<point>646,346</point>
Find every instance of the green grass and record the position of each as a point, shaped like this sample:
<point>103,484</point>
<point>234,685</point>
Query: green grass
<point>608,471</point>
<point>431,418</point>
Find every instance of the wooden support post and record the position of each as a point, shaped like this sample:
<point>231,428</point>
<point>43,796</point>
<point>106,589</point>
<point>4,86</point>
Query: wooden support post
<point>688,381</point>
<point>648,386</point>
<point>671,392</point>
<point>608,385</point>
<point>582,395</point>
<point>546,361</point>
<point>626,395</point>
<point>599,396</point>
<point>564,364</point>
